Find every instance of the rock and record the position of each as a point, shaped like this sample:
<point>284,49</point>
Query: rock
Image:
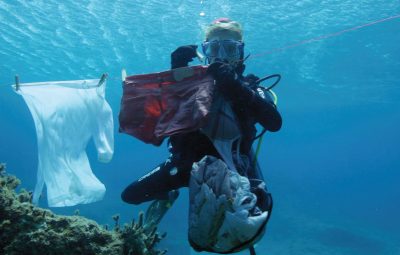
<point>28,229</point>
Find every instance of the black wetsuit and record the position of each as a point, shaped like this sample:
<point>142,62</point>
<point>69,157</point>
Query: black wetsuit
<point>250,107</point>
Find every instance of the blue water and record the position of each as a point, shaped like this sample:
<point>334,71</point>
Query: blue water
<point>334,167</point>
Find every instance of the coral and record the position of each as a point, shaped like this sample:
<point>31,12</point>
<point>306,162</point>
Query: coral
<point>28,229</point>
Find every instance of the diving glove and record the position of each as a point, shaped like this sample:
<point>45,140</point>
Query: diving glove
<point>229,83</point>
<point>223,73</point>
<point>183,55</point>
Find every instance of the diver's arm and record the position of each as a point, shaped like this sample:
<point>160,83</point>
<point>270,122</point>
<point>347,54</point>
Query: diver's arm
<point>183,55</point>
<point>235,89</point>
<point>260,103</point>
<point>265,109</point>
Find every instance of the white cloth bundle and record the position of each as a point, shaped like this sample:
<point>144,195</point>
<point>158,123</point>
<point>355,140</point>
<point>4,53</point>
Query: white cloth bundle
<point>220,210</point>
<point>66,115</point>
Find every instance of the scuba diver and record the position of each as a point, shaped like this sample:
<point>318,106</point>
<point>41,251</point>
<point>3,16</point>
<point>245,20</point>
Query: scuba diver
<point>251,104</point>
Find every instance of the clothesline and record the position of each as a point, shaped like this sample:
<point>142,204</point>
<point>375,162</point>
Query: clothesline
<point>294,45</point>
<point>17,83</point>
<point>323,37</point>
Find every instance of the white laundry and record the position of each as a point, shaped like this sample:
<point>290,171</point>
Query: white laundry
<point>66,115</point>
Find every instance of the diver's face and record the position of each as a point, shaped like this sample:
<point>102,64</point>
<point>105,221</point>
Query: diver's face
<point>223,47</point>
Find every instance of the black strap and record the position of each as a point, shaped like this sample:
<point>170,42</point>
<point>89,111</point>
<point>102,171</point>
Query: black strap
<point>252,250</point>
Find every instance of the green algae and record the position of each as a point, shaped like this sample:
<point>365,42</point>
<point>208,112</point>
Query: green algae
<point>28,229</point>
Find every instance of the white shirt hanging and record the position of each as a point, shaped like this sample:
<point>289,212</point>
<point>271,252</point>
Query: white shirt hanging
<point>67,114</point>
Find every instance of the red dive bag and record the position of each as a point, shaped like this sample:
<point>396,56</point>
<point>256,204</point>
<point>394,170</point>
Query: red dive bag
<point>158,105</point>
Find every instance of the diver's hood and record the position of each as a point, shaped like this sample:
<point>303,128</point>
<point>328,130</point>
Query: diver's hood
<point>223,216</point>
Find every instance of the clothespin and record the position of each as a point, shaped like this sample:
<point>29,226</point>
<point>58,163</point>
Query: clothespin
<point>123,74</point>
<point>102,79</point>
<point>16,82</point>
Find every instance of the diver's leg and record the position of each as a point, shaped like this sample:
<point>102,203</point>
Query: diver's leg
<point>160,185</point>
<point>157,209</point>
<point>156,184</point>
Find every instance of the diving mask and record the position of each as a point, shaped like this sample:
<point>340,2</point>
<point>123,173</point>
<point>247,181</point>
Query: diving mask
<point>224,50</point>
